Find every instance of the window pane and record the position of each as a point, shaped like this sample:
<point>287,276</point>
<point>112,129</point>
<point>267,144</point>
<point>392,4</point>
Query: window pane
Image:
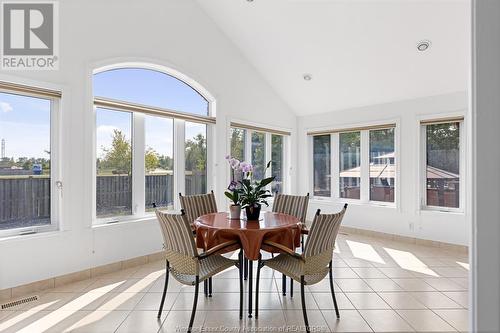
<point>238,137</point>
<point>259,155</point>
<point>277,163</point>
<point>24,161</point>
<point>322,165</point>
<point>443,165</point>
<point>114,163</point>
<point>350,164</point>
<point>382,167</point>
<point>149,87</point>
<point>196,158</point>
<point>159,162</point>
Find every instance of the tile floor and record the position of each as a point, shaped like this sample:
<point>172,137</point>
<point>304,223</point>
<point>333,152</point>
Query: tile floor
<point>381,286</point>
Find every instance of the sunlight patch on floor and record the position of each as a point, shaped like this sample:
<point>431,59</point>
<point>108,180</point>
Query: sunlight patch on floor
<point>116,301</point>
<point>68,309</point>
<point>464,265</point>
<point>25,315</point>
<point>410,262</point>
<point>364,251</point>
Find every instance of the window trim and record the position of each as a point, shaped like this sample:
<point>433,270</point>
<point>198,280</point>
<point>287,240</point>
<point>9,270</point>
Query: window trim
<point>56,183</point>
<point>138,140</point>
<point>422,197</point>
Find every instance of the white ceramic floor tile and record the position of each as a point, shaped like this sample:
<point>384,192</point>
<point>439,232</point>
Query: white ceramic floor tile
<point>295,321</point>
<point>350,321</point>
<point>353,285</point>
<point>369,273</point>
<point>401,300</point>
<point>178,321</point>
<point>414,285</point>
<point>385,321</point>
<point>367,301</point>
<point>383,285</point>
<point>435,300</point>
<point>460,297</point>
<point>459,319</point>
<point>425,321</point>
<point>141,321</point>
<point>325,301</point>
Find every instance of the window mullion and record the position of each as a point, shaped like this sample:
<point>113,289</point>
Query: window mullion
<point>138,166</point>
<point>179,160</point>
<point>335,166</point>
<point>365,166</point>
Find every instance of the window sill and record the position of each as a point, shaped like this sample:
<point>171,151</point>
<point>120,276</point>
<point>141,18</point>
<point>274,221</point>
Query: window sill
<point>125,222</point>
<point>29,237</point>
<point>353,202</point>
<point>434,210</point>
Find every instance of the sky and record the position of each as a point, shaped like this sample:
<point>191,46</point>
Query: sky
<point>25,121</point>
<point>25,126</point>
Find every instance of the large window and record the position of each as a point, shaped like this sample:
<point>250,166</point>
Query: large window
<point>152,131</point>
<point>259,146</point>
<point>322,165</point>
<point>366,164</point>
<point>196,158</point>
<point>350,165</point>
<point>28,179</point>
<point>442,164</point>
<point>382,165</point>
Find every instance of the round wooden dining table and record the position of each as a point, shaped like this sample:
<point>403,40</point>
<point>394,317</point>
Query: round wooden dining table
<point>217,228</point>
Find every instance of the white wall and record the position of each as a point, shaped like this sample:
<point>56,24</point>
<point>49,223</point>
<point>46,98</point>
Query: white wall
<point>406,218</point>
<point>173,33</point>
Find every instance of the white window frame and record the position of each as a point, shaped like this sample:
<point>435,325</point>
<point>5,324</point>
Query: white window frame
<point>138,149</point>
<point>56,183</point>
<point>423,166</point>
<point>364,167</point>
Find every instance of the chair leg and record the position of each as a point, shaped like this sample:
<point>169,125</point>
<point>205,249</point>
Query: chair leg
<point>303,299</point>
<point>205,288</point>
<point>333,293</point>
<point>283,284</point>
<point>210,287</point>
<point>259,266</point>
<point>302,242</point>
<point>240,268</point>
<point>245,268</point>
<point>195,302</point>
<point>291,287</point>
<point>167,268</point>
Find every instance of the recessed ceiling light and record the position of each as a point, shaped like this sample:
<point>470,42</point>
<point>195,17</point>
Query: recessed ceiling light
<point>423,45</point>
<point>307,77</point>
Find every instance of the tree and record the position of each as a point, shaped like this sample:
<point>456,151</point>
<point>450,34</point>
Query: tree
<point>151,160</point>
<point>196,153</point>
<point>238,143</point>
<point>118,158</point>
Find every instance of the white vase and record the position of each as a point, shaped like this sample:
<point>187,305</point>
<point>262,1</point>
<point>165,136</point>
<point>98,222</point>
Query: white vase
<point>235,212</point>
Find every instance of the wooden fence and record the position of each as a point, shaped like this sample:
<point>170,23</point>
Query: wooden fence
<point>24,200</point>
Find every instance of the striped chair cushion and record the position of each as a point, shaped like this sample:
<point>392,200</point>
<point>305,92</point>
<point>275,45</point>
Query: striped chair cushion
<point>198,205</point>
<point>177,234</point>
<point>323,233</point>
<point>292,205</point>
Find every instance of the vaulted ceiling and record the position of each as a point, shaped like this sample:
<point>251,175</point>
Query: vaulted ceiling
<point>357,52</point>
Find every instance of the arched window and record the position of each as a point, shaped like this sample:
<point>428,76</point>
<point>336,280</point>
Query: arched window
<point>151,141</point>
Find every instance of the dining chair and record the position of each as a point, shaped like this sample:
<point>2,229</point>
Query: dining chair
<point>185,264</point>
<point>296,206</point>
<point>196,206</point>
<point>313,264</point>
